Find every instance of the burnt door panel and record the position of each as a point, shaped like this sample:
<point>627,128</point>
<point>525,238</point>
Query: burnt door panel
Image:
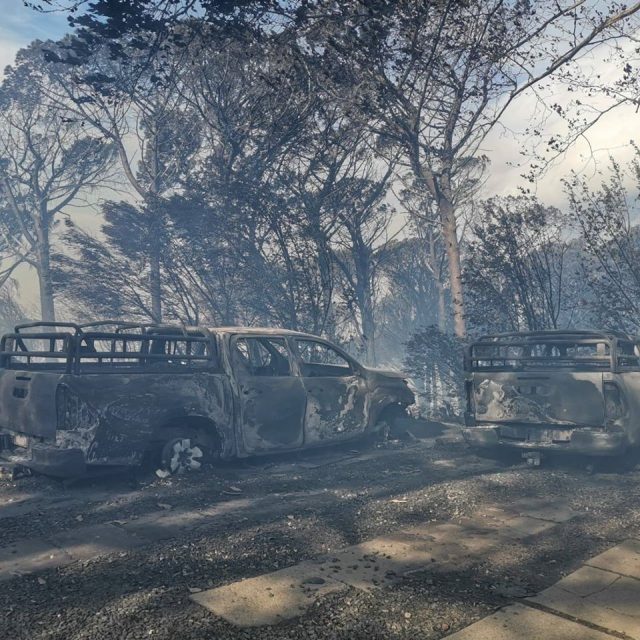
<point>271,400</point>
<point>336,393</point>
<point>335,408</point>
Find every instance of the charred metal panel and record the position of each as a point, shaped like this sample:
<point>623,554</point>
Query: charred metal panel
<point>337,408</point>
<point>270,398</point>
<point>535,434</point>
<point>271,413</point>
<point>545,397</point>
<point>28,402</point>
<point>122,412</point>
<point>629,384</point>
<point>386,388</point>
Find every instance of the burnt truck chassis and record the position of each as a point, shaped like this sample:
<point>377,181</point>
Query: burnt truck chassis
<point>77,406</point>
<point>530,422</point>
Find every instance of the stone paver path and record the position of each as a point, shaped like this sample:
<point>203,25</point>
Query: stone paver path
<point>271,598</point>
<point>599,600</point>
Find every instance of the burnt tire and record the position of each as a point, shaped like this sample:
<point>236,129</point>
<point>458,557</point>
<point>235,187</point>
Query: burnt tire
<point>391,424</point>
<point>182,455</point>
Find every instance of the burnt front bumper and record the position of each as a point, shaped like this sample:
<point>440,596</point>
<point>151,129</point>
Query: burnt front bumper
<point>580,440</point>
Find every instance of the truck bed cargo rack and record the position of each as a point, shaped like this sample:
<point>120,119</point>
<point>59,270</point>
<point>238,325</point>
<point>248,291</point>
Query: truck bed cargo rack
<point>580,350</point>
<point>77,348</point>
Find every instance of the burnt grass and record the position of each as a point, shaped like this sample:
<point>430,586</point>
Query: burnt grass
<point>296,511</point>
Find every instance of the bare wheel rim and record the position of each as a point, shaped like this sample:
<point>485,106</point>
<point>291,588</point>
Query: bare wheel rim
<point>181,456</point>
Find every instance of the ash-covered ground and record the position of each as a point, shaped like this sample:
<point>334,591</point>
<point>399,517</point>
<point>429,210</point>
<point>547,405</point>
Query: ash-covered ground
<point>262,515</point>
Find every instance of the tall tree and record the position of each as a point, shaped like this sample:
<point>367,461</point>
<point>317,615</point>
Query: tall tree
<point>47,162</point>
<point>437,77</point>
<point>134,104</point>
<point>516,266</point>
<point>606,217</point>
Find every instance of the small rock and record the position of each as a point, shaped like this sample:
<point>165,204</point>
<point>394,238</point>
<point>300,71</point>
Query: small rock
<point>194,589</point>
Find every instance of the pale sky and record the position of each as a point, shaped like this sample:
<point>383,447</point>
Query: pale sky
<point>20,25</point>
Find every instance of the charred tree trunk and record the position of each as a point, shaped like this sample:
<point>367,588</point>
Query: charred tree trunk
<point>47,308</point>
<point>452,247</point>
<point>442,193</point>
<point>368,327</point>
<point>364,296</point>
<point>155,274</point>
<point>155,283</point>
<point>436,266</point>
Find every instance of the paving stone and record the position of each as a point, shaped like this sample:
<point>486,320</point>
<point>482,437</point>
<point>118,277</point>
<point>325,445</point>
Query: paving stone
<point>86,543</point>
<point>623,558</point>
<point>519,622</point>
<point>370,565</point>
<point>449,540</point>
<point>622,596</point>
<point>28,556</point>
<point>271,598</point>
<point>597,609</point>
<point>587,581</point>
<point>501,527</point>
<point>386,559</point>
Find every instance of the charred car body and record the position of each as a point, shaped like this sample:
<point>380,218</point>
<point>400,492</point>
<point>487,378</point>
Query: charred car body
<point>73,397</point>
<point>573,391</point>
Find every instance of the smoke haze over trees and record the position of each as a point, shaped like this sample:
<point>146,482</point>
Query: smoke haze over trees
<point>314,165</point>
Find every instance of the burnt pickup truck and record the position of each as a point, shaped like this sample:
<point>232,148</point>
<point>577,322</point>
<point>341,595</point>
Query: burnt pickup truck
<point>572,391</point>
<point>76,397</point>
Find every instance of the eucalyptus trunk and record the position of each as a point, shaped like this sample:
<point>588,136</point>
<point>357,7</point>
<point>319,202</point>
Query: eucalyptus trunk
<point>43,251</point>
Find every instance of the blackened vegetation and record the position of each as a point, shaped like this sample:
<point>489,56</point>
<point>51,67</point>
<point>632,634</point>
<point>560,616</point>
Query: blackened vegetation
<point>435,361</point>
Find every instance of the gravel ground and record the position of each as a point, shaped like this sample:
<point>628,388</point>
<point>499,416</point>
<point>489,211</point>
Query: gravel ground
<point>302,512</point>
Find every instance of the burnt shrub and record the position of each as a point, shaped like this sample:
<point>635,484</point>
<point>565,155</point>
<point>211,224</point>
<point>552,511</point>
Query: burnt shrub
<point>434,361</point>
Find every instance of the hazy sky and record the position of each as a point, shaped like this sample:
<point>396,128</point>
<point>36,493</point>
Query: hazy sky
<point>20,25</point>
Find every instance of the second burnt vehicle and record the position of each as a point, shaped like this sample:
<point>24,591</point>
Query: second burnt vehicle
<point>76,397</point>
<point>554,391</point>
